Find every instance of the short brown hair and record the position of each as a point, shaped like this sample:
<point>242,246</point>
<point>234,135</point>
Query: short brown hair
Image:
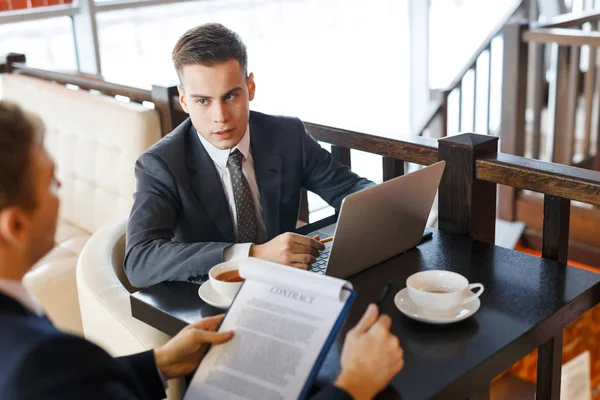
<point>209,44</point>
<point>19,133</point>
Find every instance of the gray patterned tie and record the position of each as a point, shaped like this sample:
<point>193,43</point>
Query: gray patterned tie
<point>244,203</point>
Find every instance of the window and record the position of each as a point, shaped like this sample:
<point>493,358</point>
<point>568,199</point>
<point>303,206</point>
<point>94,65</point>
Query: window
<point>47,43</point>
<point>328,62</point>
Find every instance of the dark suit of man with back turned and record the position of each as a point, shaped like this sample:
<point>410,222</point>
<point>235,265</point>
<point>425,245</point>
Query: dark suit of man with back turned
<point>227,182</point>
<point>39,362</point>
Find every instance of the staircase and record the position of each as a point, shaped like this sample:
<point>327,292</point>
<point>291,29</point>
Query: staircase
<point>549,110</point>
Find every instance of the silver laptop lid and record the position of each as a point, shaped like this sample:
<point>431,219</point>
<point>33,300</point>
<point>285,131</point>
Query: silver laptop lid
<point>383,221</point>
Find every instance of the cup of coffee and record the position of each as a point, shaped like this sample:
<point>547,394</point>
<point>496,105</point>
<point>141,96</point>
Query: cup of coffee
<point>441,291</point>
<point>225,278</point>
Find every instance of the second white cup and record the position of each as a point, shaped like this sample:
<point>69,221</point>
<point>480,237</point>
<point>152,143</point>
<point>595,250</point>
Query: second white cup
<point>441,291</point>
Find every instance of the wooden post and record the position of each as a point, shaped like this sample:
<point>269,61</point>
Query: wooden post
<point>539,89</point>
<point>162,97</point>
<point>549,368</point>
<point>589,87</point>
<point>392,168</point>
<point>439,126</point>
<point>555,239</point>
<point>341,154</point>
<point>555,245</point>
<point>514,104</point>
<point>556,137</point>
<point>10,58</point>
<point>444,115</point>
<point>572,101</point>
<point>467,206</point>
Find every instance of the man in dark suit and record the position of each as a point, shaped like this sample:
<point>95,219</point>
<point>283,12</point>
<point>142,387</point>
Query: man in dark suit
<point>227,182</point>
<point>39,362</point>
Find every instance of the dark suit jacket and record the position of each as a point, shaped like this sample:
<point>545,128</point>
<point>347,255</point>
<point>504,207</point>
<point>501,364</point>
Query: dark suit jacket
<point>180,223</point>
<point>37,362</point>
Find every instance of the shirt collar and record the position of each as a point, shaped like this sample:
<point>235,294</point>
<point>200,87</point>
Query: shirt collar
<point>219,156</point>
<point>16,290</point>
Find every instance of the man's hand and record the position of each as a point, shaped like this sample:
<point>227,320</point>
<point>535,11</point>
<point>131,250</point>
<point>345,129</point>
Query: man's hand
<point>371,356</point>
<point>289,249</point>
<point>182,354</point>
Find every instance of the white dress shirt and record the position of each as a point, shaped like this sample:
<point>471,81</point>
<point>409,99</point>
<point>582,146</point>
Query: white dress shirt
<point>16,290</point>
<point>220,157</point>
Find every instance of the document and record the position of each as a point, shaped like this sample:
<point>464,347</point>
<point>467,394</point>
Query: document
<point>284,322</point>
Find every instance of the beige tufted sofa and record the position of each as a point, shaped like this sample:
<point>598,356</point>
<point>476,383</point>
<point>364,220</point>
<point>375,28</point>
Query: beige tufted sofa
<point>95,141</point>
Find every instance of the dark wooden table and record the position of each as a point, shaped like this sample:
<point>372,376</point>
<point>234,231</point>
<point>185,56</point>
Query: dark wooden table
<point>527,301</point>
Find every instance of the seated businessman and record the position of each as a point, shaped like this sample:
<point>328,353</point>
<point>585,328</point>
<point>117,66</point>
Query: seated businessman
<point>227,182</point>
<point>39,362</point>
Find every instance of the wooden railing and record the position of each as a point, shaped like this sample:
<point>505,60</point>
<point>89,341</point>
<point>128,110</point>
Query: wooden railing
<point>567,182</point>
<point>562,41</point>
<point>467,193</point>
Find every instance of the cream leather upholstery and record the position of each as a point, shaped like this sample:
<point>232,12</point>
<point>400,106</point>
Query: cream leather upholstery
<point>104,299</point>
<point>52,279</point>
<point>95,141</point>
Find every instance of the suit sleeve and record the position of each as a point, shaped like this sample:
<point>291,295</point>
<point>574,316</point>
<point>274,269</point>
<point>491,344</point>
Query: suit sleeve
<point>326,177</point>
<point>151,256</point>
<point>68,368</point>
<point>143,367</point>
<point>331,393</point>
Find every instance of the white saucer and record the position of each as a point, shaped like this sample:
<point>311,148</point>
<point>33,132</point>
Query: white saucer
<point>210,296</point>
<point>411,310</point>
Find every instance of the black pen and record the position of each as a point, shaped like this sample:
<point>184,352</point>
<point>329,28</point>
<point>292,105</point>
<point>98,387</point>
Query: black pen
<point>427,236</point>
<point>384,294</point>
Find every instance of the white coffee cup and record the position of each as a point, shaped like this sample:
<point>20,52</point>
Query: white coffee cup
<point>225,289</point>
<point>441,291</point>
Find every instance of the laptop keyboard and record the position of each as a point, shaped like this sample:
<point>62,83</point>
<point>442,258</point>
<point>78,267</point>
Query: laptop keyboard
<point>320,264</point>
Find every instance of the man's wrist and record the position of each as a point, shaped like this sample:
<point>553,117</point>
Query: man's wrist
<point>161,363</point>
<point>254,250</point>
<point>354,386</point>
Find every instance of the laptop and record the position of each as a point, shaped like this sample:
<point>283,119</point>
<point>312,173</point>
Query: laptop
<point>378,223</point>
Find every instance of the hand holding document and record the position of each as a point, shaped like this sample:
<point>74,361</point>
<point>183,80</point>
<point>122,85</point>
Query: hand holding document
<point>181,355</point>
<point>284,321</point>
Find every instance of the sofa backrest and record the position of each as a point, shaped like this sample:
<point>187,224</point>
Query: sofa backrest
<point>95,141</point>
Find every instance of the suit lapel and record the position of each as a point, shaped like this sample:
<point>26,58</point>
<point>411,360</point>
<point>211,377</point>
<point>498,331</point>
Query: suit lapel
<point>206,184</point>
<point>268,170</point>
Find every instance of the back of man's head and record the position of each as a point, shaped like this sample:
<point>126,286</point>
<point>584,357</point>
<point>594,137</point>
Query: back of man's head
<point>28,192</point>
<point>208,45</point>
<point>19,133</point>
